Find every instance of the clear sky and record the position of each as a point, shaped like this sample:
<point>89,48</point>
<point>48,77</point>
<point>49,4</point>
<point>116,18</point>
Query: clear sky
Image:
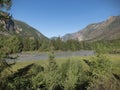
<point>58,17</point>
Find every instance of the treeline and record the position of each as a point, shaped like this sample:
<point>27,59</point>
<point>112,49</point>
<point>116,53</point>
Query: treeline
<point>16,44</point>
<point>101,46</point>
<point>74,74</point>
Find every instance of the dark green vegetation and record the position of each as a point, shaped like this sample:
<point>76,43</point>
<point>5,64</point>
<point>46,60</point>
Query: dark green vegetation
<point>15,44</point>
<point>99,72</point>
<point>18,35</point>
<point>95,73</point>
<point>101,46</point>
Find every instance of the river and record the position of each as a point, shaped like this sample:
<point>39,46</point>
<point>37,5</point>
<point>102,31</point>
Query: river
<point>45,55</point>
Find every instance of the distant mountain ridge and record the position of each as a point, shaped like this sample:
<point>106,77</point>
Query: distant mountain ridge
<point>106,30</point>
<point>26,30</point>
<point>9,26</point>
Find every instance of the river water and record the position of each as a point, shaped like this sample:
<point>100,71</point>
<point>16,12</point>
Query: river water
<point>45,55</point>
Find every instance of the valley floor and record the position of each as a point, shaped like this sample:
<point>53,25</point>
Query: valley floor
<point>114,59</point>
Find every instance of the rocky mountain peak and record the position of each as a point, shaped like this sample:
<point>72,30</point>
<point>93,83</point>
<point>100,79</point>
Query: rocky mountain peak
<point>6,21</point>
<point>10,26</point>
<point>106,30</point>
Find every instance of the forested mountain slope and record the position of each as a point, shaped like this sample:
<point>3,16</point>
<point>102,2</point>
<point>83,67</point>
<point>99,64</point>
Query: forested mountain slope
<point>19,35</point>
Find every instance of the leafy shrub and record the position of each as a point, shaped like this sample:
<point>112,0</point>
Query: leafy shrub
<point>101,75</point>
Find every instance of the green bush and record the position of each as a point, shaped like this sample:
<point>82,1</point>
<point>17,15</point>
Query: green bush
<point>74,74</point>
<point>102,77</point>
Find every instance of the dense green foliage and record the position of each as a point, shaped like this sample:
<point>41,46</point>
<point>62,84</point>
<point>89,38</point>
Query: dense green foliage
<point>16,44</point>
<point>93,74</point>
<point>12,44</point>
<point>102,46</point>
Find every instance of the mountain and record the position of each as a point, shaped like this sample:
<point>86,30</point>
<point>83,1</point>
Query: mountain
<point>54,38</point>
<point>106,30</point>
<point>24,30</point>
<point>8,27</point>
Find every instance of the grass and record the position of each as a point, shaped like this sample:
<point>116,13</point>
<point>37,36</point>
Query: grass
<point>114,58</point>
<point>59,61</point>
<point>76,64</point>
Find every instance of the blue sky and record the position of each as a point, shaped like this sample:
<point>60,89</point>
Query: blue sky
<point>58,17</point>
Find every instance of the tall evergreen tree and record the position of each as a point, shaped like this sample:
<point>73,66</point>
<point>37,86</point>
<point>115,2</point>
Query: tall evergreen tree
<point>5,4</point>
